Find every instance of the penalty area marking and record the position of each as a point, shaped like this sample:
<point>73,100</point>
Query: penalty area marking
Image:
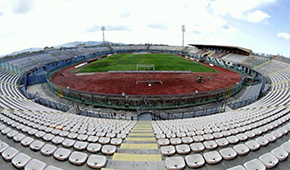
<point>149,81</point>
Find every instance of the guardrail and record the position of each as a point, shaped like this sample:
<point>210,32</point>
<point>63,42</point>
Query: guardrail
<point>134,101</point>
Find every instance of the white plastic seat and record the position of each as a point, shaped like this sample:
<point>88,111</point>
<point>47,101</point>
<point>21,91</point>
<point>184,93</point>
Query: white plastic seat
<point>48,137</point>
<point>36,145</point>
<point>121,135</point>
<point>3,146</point>
<point>241,149</point>
<point>183,149</point>
<point>57,140</point>
<point>253,145</point>
<point>250,134</point>
<point>9,153</point>
<point>254,164</point>
<point>222,142</point>
<point>277,134</point>
<point>72,135</point>
<point>212,157</point>
<point>6,130</point>
<point>187,140</point>
<point>48,149</point>
<point>270,137</point>
<point>108,149</point>
<point>197,138</point>
<point>116,141</point>
<point>79,145</point>
<point>175,141</point>
<point>197,147</point>
<point>194,161</point>
<point>160,136</point>
<point>35,164</point>
<point>269,160</point>
<point>104,140</point>
<point>232,139</point>
<point>163,142</point>
<point>226,133</point>
<point>12,133</point>
<point>238,167</point>
<point>262,141</point>
<point>82,137</point>
<point>68,142</point>
<point>217,135</point>
<point>242,136</point>
<point>228,153</point>
<point>63,133</point>
<point>210,144</point>
<point>280,153</point>
<point>97,161</point>
<point>50,167</point>
<point>94,147</point>
<point>93,139</point>
<point>208,136</point>
<point>39,134</point>
<point>78,158</point>
<point>32,131</point>
<point>20,160</point>
<point>167,150</point>
<point>18,137</point>
<point>61,154</point>
<point>286,146</point>
<point>174,163</point>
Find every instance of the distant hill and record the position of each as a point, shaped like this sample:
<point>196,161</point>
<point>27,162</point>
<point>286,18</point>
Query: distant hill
<point>70,44</point>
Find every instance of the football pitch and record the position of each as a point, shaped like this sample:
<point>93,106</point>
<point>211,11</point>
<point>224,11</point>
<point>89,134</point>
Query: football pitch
<point>128,62</point>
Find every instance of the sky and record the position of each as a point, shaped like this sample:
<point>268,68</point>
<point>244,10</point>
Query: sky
<point>260,25</point>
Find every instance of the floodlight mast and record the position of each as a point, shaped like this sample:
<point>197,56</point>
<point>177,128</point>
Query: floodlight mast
<point>103,29</point>
<point>183,30</point>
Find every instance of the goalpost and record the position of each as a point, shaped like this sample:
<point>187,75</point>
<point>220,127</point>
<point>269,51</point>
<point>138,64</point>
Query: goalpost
<point>145,66</point>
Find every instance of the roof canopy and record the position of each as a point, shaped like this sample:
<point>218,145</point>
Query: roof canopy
<point>231,49</point>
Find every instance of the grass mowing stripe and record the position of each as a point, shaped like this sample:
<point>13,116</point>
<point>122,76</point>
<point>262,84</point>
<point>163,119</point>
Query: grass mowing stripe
<point>125,62</point>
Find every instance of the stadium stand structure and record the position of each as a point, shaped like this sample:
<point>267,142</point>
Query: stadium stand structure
<point>35,137</point>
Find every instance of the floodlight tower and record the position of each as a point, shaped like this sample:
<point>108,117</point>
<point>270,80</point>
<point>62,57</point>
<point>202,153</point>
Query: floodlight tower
<point>103,29</point>
<point>183,30</point>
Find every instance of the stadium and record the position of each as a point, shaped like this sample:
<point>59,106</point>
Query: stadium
<point>144,107</point>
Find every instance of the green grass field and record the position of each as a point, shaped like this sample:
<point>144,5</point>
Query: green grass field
<point>128,62</point>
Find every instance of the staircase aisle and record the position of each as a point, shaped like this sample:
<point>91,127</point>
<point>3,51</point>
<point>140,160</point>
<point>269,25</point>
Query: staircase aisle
<point>139,148</point>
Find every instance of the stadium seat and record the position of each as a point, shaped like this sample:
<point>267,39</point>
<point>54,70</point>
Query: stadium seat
<point>194,161</point>
<point>197,147</point>
<point>254,164</point>
<point>167,150</point>
<point>61,154</point>
<point>35,164</point>
<point>174,163</point>
<point>94,147</point>
<point>78,158</point>
<point>269,160</point>
<point>183,149</point>
<point>20,160</point>
<point>48,149</point>
<point>280,153</point>
<point>96,161</point>
<point>212,157</point>
<point>241,149</point>
<point>9,153</point>
<point>228,153</point>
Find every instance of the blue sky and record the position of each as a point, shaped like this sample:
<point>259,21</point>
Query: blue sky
<point>260,25</point>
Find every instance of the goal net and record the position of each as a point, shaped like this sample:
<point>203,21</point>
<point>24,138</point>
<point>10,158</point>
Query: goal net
<point>145,67</point>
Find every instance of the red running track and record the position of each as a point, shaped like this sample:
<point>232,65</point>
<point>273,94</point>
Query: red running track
<point>116,83</point>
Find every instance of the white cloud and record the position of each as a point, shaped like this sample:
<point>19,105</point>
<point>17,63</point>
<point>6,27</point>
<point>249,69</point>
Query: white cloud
<point>23,6</point>
<point>256,16</point>
<point>240,9</point>
<point>284,35</point>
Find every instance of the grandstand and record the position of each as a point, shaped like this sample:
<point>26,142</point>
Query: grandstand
<point>33,136</point>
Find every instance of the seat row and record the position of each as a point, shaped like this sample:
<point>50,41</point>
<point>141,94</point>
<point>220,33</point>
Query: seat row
<point>268,160</point>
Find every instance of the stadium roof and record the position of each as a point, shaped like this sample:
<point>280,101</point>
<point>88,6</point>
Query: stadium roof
<point>231,49</point>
